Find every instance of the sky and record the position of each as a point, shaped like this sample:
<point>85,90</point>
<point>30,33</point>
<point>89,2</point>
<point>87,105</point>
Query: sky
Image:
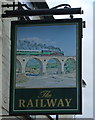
<point>87,49</point>
<point>63,37</point>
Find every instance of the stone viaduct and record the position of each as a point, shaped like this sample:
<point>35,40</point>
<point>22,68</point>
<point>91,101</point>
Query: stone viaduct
<point>43,60</point>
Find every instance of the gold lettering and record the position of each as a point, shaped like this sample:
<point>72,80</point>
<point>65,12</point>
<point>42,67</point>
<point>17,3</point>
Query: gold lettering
<point>37,102</point>
<point>42,103</point>
<point>60,103</point>
<point>45,94</point>
<point>51,102</point>
<point>30,103</point>
<point>21,103</point>
<point>68,101</point>
<point>45,103</point>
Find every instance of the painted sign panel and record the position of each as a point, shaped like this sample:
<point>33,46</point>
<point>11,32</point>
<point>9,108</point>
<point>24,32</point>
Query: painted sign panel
<point>46,67</point>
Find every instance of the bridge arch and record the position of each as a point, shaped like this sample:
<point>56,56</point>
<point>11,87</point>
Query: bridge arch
<point>33,67</point>
<point>43,61</point>
<point>69,65</point>
<point>53,66</point>
<point>18,66</point>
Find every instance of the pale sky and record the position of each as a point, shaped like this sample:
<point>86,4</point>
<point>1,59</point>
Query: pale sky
<point>87,61</point>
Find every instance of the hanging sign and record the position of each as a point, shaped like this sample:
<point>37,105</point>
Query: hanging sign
<point>46,67</point>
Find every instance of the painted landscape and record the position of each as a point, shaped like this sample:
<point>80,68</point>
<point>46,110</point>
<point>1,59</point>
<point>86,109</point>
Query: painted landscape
<point>45,59</point>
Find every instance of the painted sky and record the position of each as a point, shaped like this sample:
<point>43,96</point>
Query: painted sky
<point>62,36</point>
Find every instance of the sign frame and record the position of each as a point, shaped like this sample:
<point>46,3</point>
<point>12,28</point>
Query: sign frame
<point>75,92</point>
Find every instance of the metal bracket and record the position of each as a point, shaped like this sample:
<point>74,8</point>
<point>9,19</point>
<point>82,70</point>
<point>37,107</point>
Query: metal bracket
<point>34,117</point>
<point>67,10</point>
<point>84,24</point>
<point>15,5</point>
<point>18,7</point>
<point>65,6</point>
<point>52,118</point>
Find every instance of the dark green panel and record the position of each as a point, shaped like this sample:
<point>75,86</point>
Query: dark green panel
<point>46,99</point>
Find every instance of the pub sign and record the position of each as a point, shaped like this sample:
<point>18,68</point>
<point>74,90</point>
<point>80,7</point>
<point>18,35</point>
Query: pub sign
<point>46,67</point>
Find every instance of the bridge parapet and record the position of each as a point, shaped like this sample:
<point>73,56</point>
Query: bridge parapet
<point>23,59</point>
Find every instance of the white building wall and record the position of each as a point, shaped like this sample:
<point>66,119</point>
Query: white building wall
<point>5,66</point>
<point>94,58</point>
<point>0,61</point>
<point>5,46</point>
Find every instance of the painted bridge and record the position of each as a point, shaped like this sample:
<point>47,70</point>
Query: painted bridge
<point>43,60</point>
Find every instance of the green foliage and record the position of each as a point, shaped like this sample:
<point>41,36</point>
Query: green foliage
<point>52,65</point>
<point>70,65</point>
